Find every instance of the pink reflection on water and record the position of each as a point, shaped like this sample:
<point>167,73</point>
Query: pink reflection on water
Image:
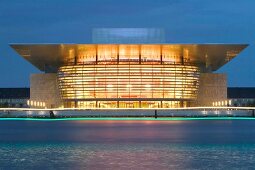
<point>127,131</point>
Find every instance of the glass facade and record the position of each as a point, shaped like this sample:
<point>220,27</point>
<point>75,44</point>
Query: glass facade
<point>128,76</point>
<point>128,54</point>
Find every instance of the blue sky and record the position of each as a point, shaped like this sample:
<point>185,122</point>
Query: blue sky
<point>185,21</point>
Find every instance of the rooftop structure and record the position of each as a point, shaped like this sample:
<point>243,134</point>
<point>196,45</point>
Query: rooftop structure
<point>14,97</point>
<point>128,36</point>
<point>241,96</point>
<point>14,93</point>
<point>241,92</point>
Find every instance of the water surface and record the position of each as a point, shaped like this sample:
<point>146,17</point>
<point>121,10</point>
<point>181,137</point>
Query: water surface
<point>127,144</point>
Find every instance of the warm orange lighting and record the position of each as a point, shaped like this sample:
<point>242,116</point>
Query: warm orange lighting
<point>127,54</point>
<point>114,82</point>
<point>128,76</point>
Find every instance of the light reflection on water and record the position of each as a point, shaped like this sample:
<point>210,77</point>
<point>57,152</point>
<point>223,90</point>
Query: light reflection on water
<point>127,144</point>
<point>126,156</point>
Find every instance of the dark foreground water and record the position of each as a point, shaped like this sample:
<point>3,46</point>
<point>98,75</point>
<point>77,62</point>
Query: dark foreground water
<point>143,144</point>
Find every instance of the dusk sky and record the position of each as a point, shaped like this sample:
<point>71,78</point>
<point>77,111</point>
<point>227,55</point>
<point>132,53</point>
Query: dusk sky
<point>184,21</point>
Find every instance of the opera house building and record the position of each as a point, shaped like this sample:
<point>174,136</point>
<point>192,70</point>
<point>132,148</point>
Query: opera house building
<point>128,68</point>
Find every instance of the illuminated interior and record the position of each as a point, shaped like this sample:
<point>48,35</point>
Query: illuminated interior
<point>127,54</point>
<point>128,76</point>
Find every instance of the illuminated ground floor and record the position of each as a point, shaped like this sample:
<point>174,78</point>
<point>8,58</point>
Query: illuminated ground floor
<point>126,104</point>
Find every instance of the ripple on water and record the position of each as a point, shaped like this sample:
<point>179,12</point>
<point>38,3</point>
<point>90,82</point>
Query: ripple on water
<point>126,156</point>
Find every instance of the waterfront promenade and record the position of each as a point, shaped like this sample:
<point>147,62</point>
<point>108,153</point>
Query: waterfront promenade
<point>153,112</point>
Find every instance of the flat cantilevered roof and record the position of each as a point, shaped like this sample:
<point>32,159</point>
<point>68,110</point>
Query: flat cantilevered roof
<point>53,55</point>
